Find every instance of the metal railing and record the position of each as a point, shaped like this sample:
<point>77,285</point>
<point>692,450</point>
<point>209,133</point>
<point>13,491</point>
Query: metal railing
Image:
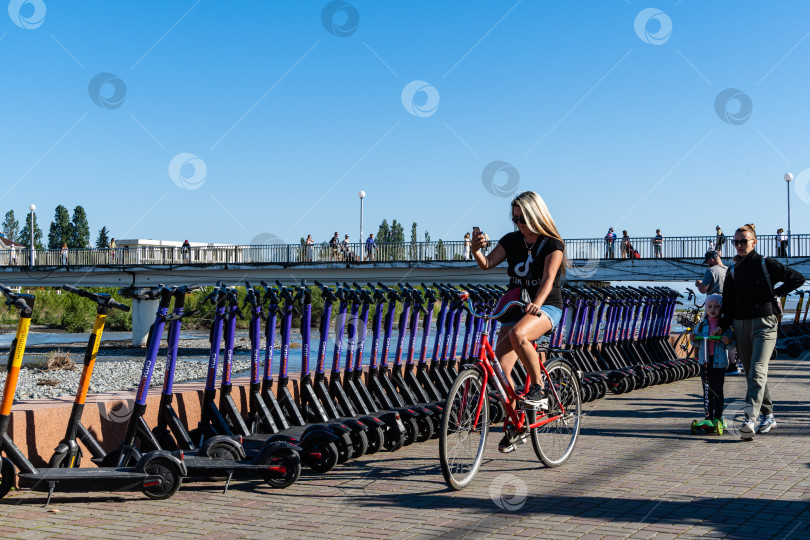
<point>681,247</point>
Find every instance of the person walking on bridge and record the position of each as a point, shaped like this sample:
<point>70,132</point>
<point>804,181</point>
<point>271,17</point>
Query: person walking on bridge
<point>370,247</point>
<point>751,307</point>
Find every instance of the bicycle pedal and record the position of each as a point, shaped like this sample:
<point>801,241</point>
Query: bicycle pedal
<point>522,439</point>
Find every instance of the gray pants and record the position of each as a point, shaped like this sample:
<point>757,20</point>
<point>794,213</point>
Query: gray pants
<point>756,339</point>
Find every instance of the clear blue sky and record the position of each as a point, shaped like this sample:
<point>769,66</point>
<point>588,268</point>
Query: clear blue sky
<point>291,120</point>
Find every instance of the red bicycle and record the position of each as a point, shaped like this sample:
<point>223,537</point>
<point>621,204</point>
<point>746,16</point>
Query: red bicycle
<point>465,421</point>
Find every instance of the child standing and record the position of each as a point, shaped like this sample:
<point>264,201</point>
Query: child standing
<point>713,358</point>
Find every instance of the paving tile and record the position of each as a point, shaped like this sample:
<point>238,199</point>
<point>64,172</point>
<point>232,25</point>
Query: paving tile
<point>637,472</point>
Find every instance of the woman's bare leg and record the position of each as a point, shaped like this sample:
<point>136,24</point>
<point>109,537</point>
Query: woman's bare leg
<point>529,329</point>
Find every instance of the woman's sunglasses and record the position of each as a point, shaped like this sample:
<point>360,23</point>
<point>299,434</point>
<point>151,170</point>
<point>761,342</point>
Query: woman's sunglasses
<point>520,220</point>
<point>741,242</point>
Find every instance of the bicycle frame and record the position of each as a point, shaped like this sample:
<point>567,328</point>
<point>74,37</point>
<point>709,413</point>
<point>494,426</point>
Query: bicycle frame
<point>491,369</point>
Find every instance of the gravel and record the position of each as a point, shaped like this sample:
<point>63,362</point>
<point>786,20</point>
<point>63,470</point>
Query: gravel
<point>115,374</point>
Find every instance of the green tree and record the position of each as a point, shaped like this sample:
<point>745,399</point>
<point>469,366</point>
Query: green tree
<point>427,236</point>
<point>397,232</point>
<point>103,238</point>
<point>441,251</point>
<point>79,230</point>
<point>414,240</point>
<point>11,227</point>
<point>383,232</point>
<point>59,232</point>
<point>25,234</point>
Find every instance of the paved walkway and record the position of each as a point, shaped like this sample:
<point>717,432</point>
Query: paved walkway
<point>637,472</point>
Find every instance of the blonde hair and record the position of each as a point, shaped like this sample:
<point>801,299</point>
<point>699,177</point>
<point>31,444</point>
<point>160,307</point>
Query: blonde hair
<point>538,218</point>
<point>748,227</point>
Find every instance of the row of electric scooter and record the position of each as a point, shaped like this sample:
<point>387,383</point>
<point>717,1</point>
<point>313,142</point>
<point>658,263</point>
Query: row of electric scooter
<point>796,338</point>
<point>328,421</point>
<point>357,408</point>
<point>619,338</point>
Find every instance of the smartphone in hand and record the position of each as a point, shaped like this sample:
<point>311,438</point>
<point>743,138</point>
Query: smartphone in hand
<point>476,231</point>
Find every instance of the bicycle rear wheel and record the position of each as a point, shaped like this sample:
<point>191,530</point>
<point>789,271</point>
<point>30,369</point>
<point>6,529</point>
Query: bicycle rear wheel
<point>554,442</point>
<point>463,436</point>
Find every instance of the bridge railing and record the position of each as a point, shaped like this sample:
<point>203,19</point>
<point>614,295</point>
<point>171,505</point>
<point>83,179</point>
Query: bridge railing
<point>681,247</point>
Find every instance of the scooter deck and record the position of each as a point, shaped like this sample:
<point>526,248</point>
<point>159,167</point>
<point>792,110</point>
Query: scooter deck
<point>79,480</point>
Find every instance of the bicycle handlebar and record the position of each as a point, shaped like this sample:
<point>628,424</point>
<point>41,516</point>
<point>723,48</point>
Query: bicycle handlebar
<point>464,296</point>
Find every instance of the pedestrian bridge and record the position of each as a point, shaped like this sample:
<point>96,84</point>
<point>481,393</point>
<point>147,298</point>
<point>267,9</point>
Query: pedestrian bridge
<point>678,259</point>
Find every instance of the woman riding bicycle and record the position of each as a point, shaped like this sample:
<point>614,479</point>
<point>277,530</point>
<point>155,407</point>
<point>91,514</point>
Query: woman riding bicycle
<point>535,254</point>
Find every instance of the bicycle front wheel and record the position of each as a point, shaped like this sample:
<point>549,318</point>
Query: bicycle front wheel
<point>465,424</point>
<point>684,347</point>
<point>554,442</point>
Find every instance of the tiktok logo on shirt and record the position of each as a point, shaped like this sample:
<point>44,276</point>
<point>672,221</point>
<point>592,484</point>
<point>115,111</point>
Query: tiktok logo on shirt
<point>523,268</point>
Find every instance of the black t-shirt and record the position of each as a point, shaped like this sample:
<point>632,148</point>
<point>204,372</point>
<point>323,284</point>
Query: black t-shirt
<point>526,267</point>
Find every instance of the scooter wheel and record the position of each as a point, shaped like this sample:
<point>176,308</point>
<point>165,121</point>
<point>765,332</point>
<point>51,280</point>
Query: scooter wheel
<point>496,411</point>
<point>394,439</point>
<point>425,426</point>
<point>376,436</point>
<point>283,467</point>
<point>60,461</point>
<point>587,391</point>
<point>719,428</point>
<point>614,381</point>
<point>320,454</point>
<point>794,349</point>
<point>221,450</point>
<point>345,450</point>
<point>172,478</point>
<point>693,427</point>
<point>411,430</point>
<point>359,443</point>
<point>7,475</point>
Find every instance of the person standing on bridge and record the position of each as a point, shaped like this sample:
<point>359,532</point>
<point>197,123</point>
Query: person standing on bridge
<point>781,243</point>
<point>751,307</point>
<point>627,247</point>
<point>335,243</point>
<point>719,240</point>
<point>658,244</point>
<point>535,254</point>
<point>64,254</point>
<point>610,240</point>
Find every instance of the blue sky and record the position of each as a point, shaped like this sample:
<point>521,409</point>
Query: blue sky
<point>289,120</point>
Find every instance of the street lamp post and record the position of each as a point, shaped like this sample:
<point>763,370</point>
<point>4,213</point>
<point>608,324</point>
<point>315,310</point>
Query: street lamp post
<point>32,208</point>
<point>788,178</point>
<point>362,195</point>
